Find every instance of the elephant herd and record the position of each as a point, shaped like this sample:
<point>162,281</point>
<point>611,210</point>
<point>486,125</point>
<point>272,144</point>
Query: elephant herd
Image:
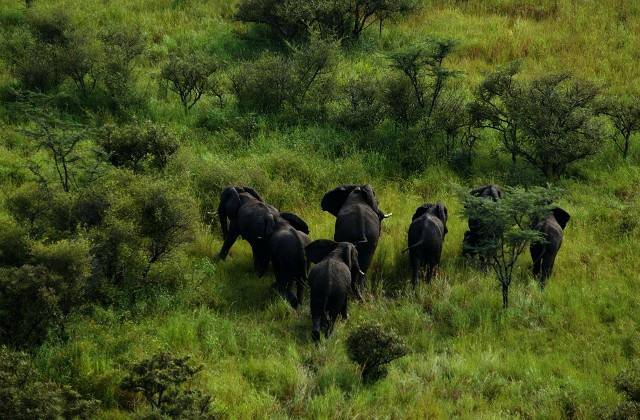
<point>339,265</point>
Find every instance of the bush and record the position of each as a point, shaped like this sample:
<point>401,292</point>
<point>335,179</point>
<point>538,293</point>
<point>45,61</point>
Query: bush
<point>14,245</point>
<point>138,145</point>
<point>190,74</point>
<point>626,410</point>
<point>291,19</point>
<point>160,379</point>
<point>628,382</point>
<point>25,394</point>
<point>300,81</point>
<point>557,118</point>
<point>364,108</point>
<point>36,298</point>
<point>372,347</point>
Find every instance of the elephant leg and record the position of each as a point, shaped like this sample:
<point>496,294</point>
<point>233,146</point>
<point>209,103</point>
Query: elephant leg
<point>548,260</point>
<point>300,291</point>
<point>430,272</point>
<point>345,310</point>
<point>260,257</point>
<point>326,325</point>
<point>229,240</point>
<point>332,324</point>
<point>537,253</point>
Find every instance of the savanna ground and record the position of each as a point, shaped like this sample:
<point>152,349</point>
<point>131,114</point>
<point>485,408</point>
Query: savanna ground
<point>552,353</point>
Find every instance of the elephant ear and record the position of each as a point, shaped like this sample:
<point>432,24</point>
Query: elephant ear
<point>420,211</point>
<point>228,207</point>
<point>252,192</point>
<point>562,217</point>
<point>479,192</point>
<point>442,213</point>
<point>334,199</point>
<point>318,250</point>
<point>296,222</point>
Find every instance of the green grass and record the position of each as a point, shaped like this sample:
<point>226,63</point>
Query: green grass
<point>552,354</point>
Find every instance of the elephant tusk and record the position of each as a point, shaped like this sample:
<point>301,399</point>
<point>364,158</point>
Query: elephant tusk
<point>362,273</point>
<point>388,215</point>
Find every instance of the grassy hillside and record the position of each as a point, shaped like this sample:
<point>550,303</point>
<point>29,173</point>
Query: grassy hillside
<point>551,354</point>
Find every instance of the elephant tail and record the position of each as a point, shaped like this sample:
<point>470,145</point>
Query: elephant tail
<point>417,244</point>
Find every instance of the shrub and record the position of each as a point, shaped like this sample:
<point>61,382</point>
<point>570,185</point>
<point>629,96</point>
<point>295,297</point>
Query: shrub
<point>372,347</point>
<point>628,382</point>
<point>121,46</point>
<point>25,394</point>
<point>364,107</point>
<point>189,74</point>
<point>341,18</point>
<point>14,245</point>
<point>272,82</point>
<point>626,410</point>
<point>35,298</point>
<point>160,379</point>
<point>137,145</point>
<point>624,114</point>
<point>557,118</point>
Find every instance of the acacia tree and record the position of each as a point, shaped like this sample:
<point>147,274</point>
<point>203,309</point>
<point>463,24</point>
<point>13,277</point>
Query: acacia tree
<point>423,66</point>
<point>624,114</point>
<point>291,19</point>
<point>494,103</point>
<point>557,118</point>
<point>189,74</point>
<point>506,228</point>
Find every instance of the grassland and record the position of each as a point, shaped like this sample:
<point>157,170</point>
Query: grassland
<point>552,354</point>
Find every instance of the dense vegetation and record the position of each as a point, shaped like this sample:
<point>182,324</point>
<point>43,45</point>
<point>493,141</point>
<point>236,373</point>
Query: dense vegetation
<point>121,122</point>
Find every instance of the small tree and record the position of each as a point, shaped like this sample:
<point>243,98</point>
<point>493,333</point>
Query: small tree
<point>494,106</point>
<point>160,379</point>
<point>423,66</point>
<point>506,228</point>
<point>190,75</point>
<point>372,347</point>
<point>624,114</point>
<point>60,139</point>
<point>557,118</point>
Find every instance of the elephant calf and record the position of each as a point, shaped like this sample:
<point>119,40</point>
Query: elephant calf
<point>287,248</point>
<point>544,253</point>
<point>336,272</point>
<point>425,238</point>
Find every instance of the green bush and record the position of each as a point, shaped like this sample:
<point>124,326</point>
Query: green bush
<point>35,298</point>
<point>14,244</point>
<point>363,107</point>
<point>372,347</point>
<point>628,382</point>
<point>25,394</point>
<point>190,74</point>
<point>161,379</point>
<point>138,145</point>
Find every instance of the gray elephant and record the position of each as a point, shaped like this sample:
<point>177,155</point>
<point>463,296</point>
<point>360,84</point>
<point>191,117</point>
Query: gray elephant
<point>287,250</point>
<point>544,253</point>
<point>358,219</point>
<point>335,274</point>
<point>253,219</point>
<point>425,239</point>
<point>472,236</point>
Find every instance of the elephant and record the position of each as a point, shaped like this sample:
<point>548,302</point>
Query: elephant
<point>253,219</point>
<point>336,272</point>
<point>472,236</point>
<point>358,219</point>
<point>287,251</point>
<point>544,253</point>
<point>425,238</point>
